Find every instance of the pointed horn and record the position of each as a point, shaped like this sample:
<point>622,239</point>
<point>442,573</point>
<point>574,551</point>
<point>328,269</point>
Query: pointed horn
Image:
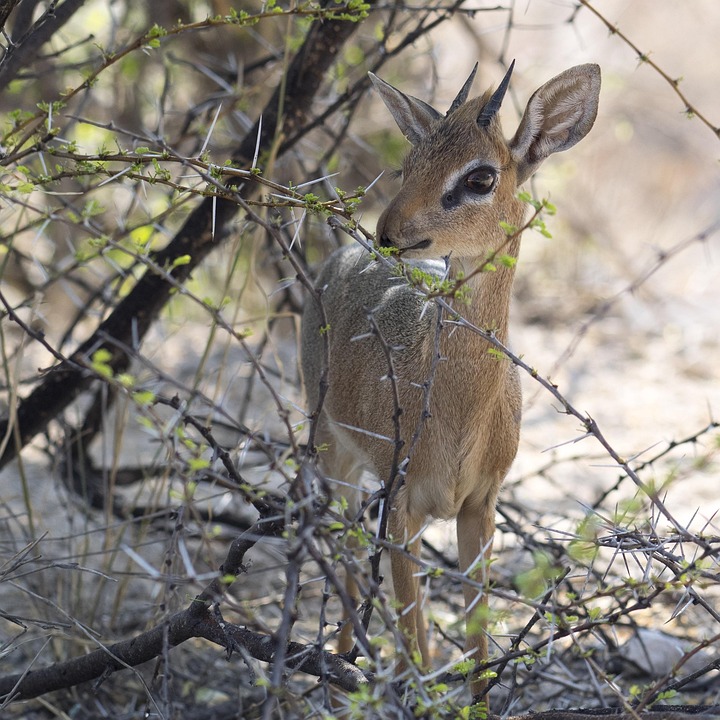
<point>494,103</point>
<point>463,94</point>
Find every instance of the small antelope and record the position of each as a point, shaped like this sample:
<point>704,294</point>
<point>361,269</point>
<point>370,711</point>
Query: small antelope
<point>459,182</point>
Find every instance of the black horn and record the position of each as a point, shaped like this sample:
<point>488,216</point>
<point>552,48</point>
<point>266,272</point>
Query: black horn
<point>463,94</point>
<point>494,103</point>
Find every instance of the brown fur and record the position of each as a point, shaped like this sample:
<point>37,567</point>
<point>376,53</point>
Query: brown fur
<point>470,438</point>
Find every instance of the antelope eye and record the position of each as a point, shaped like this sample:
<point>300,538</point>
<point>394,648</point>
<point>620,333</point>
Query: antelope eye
<point>481,181</point>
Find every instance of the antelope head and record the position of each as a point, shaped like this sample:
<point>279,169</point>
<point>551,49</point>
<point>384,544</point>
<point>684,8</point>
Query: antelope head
<point>460,178</point>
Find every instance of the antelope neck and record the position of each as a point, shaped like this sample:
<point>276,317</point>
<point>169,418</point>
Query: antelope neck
<point>489,301</point>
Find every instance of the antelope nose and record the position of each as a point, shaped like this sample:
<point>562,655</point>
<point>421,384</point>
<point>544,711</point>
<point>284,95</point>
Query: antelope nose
<point>385,241</point>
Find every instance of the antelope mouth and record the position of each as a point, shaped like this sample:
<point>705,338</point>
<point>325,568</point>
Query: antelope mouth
<point>422,245</point>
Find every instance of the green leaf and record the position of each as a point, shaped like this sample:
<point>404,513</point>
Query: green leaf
<point>144,397</point>
<point>182,260</point>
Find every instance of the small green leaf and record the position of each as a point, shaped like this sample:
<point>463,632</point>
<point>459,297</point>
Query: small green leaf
<point>182,260</point>
<point>144,397</point>
<point>100,362</point>
<point>126,380</point>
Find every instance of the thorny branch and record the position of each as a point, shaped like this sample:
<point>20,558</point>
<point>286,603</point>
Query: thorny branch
<point>674,83</point>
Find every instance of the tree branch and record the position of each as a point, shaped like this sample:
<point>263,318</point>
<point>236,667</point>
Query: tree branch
<point>284,115</point>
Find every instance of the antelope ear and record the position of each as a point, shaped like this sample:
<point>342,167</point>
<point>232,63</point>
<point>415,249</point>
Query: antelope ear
<point>414,117</point>
<point>558,115</point>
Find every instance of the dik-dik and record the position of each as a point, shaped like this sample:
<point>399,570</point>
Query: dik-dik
<point>459,183</point>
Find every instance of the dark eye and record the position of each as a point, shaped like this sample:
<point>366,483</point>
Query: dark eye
<point>481,181</point>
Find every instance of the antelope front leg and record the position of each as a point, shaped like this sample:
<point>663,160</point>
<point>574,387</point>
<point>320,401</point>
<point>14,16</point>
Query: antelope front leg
<point>406,583</point>
<point>475,530</point>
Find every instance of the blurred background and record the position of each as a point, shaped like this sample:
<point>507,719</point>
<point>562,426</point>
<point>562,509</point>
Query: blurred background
<point>620,308</point>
